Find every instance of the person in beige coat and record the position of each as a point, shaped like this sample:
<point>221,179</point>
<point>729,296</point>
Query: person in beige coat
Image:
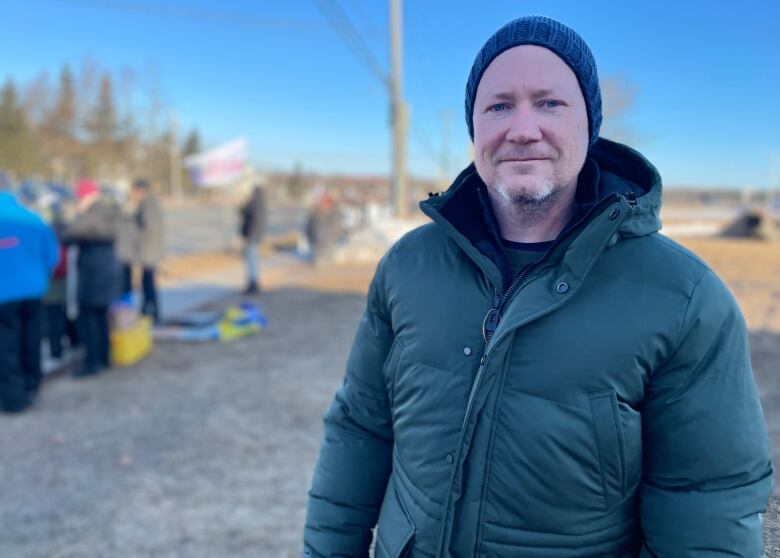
<point>151,244</point>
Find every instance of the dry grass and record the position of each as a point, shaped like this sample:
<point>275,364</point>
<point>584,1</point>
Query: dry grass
<point>751,269</point>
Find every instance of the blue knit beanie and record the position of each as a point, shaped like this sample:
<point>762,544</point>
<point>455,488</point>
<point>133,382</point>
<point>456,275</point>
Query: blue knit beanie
<point>550,34</point>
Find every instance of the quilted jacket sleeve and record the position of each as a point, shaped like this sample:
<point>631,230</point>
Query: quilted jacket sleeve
<point>355,457</point>
<point>707,472</point>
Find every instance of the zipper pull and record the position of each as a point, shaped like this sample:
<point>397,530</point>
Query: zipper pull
<point>490,324</point>
<point>631,198</point>
<point>493,316</point>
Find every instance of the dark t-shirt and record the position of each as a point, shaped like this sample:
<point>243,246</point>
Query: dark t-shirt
<point>521,254</point>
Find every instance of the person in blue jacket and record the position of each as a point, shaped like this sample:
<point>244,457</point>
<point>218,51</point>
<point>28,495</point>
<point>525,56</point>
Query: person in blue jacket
<point>28,255</point>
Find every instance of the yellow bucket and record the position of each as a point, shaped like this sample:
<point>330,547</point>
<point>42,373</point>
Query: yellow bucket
<point>131,344</point>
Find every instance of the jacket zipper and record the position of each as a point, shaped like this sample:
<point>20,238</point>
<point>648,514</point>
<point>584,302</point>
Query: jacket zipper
<point>493,316</point>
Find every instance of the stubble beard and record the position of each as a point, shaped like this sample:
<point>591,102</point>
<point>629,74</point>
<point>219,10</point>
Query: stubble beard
<point>529,203</point>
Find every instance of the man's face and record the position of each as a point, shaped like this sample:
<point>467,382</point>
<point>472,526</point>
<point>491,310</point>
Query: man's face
<point>530,128</point>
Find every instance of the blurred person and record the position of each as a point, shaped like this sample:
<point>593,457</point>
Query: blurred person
<point>28,255</point>
<point>253,216</point>
<point>55,298</point>
<point>68,209</point>
<point>151,244</point>
<point>93,230</point>
<point>323,228</point>
<point>127,243</point>
<point>539,372</point>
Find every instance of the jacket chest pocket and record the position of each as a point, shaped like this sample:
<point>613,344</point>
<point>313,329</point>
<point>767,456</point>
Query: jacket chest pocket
<point>618,432</point>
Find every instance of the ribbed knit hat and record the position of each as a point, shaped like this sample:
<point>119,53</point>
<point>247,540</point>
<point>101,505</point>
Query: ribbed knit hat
<point>550,34</point>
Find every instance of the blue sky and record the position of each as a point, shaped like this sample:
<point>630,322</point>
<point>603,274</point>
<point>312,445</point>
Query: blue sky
<point>706,74</point>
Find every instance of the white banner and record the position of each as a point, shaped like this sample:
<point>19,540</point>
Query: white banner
<point>220,166</point>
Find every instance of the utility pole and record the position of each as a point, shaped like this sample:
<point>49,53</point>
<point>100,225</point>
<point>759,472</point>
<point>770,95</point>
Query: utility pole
<point>175,161</point>
<point>398,115</point>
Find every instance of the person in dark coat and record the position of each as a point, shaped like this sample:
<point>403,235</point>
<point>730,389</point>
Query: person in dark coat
<point>93,230</point>
<point>323,228</point>
<point>538,372</point>
<point>150,244</point>
<point>28,255</point>
<point>253,217</point>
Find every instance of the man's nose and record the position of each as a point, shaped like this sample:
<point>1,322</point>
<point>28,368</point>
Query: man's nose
<point>523,127</point>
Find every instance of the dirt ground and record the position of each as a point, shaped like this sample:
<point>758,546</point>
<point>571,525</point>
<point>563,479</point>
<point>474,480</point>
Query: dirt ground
<point>199,451</point>
<point>207,450</point>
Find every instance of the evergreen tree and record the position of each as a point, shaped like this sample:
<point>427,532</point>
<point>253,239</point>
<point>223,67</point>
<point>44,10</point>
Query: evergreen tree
<point>58,133</point>
<point>192,143</point>
<point>63,116</point>
<point>101,123</point>
<point>102,157</point>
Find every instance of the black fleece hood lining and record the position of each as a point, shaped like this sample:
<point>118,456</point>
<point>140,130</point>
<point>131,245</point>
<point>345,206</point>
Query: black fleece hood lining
<point>626,163</point>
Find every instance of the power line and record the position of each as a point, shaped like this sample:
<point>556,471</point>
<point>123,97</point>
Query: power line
<point>422,141</point>
<point>233,18</point>
<point>425,68</point>
<point>352,38</point>
<point>423,61</point>
<point>369,27</point>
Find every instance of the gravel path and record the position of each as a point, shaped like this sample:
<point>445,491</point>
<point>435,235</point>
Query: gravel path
<point>201,450</point>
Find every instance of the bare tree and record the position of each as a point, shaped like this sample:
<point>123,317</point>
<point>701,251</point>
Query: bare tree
<point>86,85</point>
<point>297,185</point>
<point>36,98</point>
<point>618,95</point>
<point>17,149</point>
<point>57,132</point>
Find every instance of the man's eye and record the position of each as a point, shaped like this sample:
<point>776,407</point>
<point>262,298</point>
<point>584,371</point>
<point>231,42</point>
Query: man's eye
<point>498,107</point>
<point>551,103</point>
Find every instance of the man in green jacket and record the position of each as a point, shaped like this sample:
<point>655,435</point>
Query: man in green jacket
<point>538,372</point>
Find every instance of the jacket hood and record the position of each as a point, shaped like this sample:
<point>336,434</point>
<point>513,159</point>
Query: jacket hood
<point>623,170</point>
<point>611,171</point>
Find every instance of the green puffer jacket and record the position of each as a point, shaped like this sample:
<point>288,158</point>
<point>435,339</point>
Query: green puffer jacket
<point>612,413</point>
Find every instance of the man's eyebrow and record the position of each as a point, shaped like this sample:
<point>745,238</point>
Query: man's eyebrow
<point>507,96</point>
<point>502,96</point>
<point>545,93</point>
